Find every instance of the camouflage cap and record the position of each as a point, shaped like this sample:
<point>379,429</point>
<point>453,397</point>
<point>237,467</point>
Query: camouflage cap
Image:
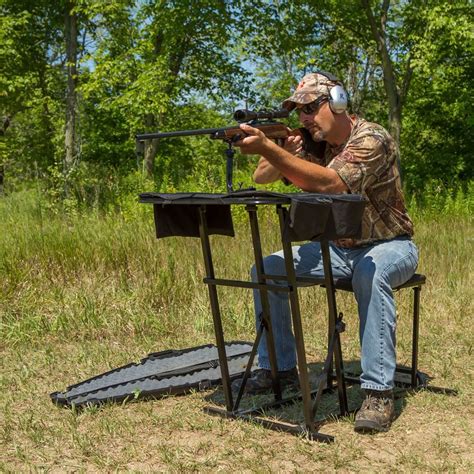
<point>311,87</point>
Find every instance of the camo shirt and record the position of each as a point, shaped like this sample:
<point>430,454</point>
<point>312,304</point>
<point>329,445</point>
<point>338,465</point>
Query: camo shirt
<point>367,163</point>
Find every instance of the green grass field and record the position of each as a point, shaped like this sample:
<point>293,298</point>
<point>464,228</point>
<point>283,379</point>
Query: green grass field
<point>83,294</point>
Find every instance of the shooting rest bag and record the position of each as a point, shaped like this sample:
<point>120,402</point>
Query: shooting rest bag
<point>311,216</point>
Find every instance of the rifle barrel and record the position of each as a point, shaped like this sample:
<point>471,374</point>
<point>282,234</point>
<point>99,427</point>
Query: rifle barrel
<point>215,133</point>
<point>180,133</point>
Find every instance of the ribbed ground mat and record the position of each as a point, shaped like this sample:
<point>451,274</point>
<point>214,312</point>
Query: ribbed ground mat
<point>161,373</point>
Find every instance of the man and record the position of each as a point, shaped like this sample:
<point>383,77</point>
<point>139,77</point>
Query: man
<point>361,158</point>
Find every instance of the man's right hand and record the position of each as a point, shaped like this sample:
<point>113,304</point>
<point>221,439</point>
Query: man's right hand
<point>293,144</point>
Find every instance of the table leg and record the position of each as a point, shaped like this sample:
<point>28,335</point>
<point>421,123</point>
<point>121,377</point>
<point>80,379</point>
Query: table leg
<point>297,326</point>
<point>331,298</point>
<point>216,314</point>
<point>266,315</point>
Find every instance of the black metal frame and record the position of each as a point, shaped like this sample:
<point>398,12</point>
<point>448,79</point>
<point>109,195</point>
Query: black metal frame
<point>333,370</point>
<point>310,428</point>
<point>418,380</point>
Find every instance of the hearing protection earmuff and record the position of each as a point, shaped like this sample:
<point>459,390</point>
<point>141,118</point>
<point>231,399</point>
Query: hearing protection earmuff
<point>337,95</point>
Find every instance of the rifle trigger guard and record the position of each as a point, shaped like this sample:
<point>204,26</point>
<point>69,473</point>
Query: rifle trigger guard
<point>236,138</point>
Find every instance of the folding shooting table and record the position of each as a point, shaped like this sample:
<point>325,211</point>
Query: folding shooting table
<point>301,216</point>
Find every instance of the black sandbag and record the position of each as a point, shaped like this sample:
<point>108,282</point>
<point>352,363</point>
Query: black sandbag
<point>307,218</point>
<point>311,216</point>
<point>183,220</point>
<point>345,219</point>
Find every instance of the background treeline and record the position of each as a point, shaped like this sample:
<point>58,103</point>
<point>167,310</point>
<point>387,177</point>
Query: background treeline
<point>81,77</point>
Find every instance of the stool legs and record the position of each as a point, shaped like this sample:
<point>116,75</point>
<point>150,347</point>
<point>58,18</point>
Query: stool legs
<point>416,327</point>
<point>417,379</point>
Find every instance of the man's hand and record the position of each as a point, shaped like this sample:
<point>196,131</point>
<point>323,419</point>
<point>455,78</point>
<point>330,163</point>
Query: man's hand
<point>293,144</point>
<point>265,172</point>
<point>255,143</point>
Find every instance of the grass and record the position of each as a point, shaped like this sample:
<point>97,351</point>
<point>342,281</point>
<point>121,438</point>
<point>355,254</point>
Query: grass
<point>80,294</point>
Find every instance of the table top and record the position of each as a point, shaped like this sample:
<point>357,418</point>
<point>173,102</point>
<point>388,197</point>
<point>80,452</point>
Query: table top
<point>247,197</point>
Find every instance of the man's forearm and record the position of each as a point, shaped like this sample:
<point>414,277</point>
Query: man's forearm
<point>265,172</point>
<point>307,176</point>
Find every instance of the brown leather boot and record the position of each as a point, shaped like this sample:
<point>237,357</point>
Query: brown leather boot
<point>376,413</point>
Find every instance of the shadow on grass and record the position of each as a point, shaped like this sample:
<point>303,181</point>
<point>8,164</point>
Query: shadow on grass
<point>292,412</point>
<point>328,409</point>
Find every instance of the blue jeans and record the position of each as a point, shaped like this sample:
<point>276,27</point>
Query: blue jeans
<point>374,271</point>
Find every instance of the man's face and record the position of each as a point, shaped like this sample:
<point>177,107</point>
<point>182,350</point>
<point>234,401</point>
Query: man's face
<point>317,118</point>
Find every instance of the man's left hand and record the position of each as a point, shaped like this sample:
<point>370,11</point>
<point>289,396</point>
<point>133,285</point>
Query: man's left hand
<point>255,143</point>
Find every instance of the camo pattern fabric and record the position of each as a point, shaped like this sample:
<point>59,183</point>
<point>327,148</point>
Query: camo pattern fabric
<point>311,87</point>
<point>367,163</point>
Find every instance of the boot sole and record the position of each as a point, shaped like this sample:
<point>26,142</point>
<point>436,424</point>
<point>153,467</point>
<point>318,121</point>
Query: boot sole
<point>367,426</point>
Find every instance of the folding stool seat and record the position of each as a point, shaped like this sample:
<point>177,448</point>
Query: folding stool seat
<point>415,282</point>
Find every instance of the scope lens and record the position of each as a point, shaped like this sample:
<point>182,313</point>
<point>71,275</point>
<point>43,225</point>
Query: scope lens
<point>243,115</point>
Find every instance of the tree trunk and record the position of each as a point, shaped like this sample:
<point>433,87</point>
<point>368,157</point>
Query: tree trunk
<point>389,79</point>
<point>175,61</point>
<point>150,148</point>
<point>47,147</point>
<point>5,125</point>
<point>70,33</point>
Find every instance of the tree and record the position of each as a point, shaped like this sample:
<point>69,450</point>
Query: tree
<point>70,36</point>
<point>29,35</point>
<point>437,138</point>
<point>177,52</point>
<point>82,77</point>
<point>377,19</point>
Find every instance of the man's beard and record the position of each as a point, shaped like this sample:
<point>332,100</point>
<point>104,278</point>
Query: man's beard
<point>318,135</point>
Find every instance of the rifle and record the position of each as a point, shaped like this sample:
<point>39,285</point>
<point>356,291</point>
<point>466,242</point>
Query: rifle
<point>263,120</point>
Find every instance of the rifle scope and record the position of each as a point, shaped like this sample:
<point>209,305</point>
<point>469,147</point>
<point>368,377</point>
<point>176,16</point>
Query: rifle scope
<point>244,115</point>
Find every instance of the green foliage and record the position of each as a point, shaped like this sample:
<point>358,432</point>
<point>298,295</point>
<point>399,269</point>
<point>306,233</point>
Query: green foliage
<point>438,138</point>
<point>166,65</point>
<point>30,85</point>
<point>436,201</point>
